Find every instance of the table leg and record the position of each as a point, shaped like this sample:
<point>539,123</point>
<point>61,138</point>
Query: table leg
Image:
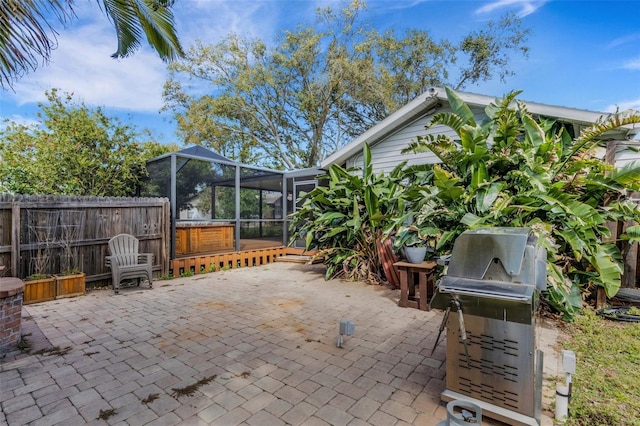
<point>424,304</point>
<point>404,289</point>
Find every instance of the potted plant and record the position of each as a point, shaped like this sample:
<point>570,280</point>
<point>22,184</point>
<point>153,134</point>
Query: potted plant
<point>40,285</point>
<point>70,282</point>
<point>409,242</point>
<point>413,240</point>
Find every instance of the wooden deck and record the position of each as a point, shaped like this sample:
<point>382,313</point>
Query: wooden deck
<point>211,262</point>
<point>255,244</point>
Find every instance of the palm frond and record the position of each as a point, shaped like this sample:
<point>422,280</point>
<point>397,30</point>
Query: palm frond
<point>589,136</point>
<point>628,174</point>
<point>452,120</point>
<point>460,108</point>
<point>154,18</point>
<point>26,35</point>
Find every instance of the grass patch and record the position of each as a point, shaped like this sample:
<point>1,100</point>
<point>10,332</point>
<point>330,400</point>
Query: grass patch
<point>606,384</point>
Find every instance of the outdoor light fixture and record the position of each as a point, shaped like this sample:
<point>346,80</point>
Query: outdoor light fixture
<point>563,392</point>
<point>346,329</point>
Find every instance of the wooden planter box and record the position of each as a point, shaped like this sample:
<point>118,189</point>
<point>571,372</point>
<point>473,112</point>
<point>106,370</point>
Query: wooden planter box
<point>70,285</point>
<point>39,290</point>
<point>204,239</point>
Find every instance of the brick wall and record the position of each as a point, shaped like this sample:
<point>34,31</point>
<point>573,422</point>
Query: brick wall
<point>11,292</point>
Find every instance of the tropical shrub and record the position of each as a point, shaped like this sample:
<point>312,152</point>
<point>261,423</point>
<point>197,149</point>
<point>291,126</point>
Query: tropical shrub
<point>344,217</point>
<point>514,169</point>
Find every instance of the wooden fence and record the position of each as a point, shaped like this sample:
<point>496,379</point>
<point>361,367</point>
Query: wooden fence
<point>44,232</point>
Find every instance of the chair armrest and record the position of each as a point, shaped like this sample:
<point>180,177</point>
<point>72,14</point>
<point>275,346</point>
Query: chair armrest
<point>145,258</point>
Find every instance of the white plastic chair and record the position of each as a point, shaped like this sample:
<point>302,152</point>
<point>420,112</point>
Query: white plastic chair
<point>125,261</point>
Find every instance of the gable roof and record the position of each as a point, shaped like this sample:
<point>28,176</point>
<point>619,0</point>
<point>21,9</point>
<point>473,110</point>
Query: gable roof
<point>202,152</point>
<point>434,98</point>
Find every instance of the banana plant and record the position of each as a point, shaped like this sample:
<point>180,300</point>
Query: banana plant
<point>513,169</point>
<point>345,215</point>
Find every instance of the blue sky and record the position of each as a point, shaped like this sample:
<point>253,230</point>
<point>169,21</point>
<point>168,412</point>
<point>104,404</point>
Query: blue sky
<point>583,54</point>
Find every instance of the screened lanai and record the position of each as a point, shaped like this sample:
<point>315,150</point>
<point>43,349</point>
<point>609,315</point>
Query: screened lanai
<point>219,205</point>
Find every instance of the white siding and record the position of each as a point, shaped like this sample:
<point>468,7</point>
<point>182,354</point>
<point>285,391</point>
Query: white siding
<point>387,153</point>
<point>628,153</point>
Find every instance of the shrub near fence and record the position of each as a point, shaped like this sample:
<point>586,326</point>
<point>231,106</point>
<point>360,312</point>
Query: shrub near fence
<point>36,230</point>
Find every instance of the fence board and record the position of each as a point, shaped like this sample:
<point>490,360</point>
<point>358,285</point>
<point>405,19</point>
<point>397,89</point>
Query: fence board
<point>102,218</point>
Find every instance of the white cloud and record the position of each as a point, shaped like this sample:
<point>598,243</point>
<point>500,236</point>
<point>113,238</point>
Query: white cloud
<point>526,7</point>
<point>620,41</point>
<point>633,64</point>
<point>625,105</point>
<point>19,119</point>
<point>211,20</point>
<point>82,65</point>
<point>397,5</point>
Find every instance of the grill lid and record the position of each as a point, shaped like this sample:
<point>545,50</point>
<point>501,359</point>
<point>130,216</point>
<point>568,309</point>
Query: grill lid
<point>486,289</point>
<point>475,251</point>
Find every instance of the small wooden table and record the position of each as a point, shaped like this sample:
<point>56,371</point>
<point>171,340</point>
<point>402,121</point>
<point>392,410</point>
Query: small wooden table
<point>408,272</point>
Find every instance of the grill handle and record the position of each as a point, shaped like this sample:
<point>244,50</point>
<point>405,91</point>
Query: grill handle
<point>457,291</point>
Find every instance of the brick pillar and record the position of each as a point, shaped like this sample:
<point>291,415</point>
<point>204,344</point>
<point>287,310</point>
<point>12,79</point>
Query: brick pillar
<point>11,292</point>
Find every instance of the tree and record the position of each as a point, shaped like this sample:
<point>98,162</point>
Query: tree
<point>515,170</point>
<point>28,36</point>
<point>76,151</point>
<point>289,105</point>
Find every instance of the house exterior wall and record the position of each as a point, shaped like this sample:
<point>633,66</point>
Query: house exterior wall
<point>387,153</point>
<point>627,152</point>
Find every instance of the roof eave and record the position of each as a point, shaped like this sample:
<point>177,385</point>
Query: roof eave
<point>423,103</point>
<point>410,111</point>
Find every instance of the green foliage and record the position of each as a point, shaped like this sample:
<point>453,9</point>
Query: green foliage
<point>288,103</point>
<point>132,18</point>
<point>76,151</point>
<point>29,36</point>
<point>345,217</point>
<point>515,170</point>
<point>607,378</point>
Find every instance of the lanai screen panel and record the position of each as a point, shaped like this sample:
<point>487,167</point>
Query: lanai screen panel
<point>261,212</point>
<point>158,182</point>
<point>198,195</point>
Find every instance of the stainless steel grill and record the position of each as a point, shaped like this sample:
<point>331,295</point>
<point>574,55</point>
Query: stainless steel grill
<point>492,286</point>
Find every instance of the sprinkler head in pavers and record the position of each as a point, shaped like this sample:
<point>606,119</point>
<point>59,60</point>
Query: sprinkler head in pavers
<point>346,329</point>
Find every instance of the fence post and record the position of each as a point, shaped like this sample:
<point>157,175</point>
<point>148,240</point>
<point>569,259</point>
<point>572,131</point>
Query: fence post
<point>15,238</point>
<point>166,237</point>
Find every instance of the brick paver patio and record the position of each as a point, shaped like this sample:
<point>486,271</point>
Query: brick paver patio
<point>254,346</point>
